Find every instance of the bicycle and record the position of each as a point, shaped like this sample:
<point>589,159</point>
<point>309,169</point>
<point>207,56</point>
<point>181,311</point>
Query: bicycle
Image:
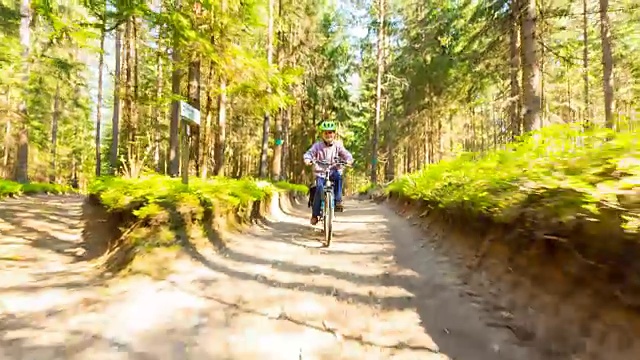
<point>327,201</point>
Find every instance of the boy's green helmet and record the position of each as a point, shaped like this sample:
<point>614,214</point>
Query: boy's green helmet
<point>327,125</point>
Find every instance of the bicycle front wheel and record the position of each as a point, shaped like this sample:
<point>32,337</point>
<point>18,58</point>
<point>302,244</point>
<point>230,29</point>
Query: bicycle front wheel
<point>328,218</point>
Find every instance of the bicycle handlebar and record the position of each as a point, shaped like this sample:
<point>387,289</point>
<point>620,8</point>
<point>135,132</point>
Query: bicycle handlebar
<point>327,163</point>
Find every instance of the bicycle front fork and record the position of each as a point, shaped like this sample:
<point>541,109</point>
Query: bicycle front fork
<point>333,201</point>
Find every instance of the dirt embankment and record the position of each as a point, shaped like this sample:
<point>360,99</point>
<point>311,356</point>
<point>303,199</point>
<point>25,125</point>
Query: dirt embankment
<point>78,232</point>
<point>573,293</point>
<point>119,237</point>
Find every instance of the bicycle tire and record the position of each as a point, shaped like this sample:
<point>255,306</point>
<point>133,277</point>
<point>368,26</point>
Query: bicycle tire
<point>328,218</point>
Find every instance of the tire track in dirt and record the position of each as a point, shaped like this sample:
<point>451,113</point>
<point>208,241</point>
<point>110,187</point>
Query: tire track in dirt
<point>272,293</point>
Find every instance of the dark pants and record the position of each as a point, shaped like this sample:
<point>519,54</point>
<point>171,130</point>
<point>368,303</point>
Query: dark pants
<point>316,191</point>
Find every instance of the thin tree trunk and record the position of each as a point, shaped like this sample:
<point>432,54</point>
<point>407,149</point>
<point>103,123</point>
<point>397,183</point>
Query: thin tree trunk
<point>541,90</point>
<point>530,69</point>
<point>157,115</point>
<point>389,136</point>
<point>389,167</point>
<point>128,92</point>
<point>376,124</point>
<point>76,155</point>
<point>194,90</point>
<point>287,165</point>
<point>174,125</point>
<point>54,134</point>
<point>194,98</point>
<point>286,147</point>
<point>135,111</point>
<point>22,166</point>
<point>585,63</point>
<point>99,102</point>
<point>276,164</point>
<point>7,142</point>
<point>207,127</point>
<point>157,109</point>
<point>115,119</point>
<point>569,96</point>
<point>607,63</point>
<point>221,137</point>
<point>451,134</point>
<point>266,123</point>
<point>439,135</point>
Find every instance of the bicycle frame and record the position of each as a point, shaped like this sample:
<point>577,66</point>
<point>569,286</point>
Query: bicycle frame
<point>328,188</point>
<point>327,193</point>
<point>328,185</point>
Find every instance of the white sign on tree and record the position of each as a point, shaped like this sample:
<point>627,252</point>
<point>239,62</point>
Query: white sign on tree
<point>189,113</point>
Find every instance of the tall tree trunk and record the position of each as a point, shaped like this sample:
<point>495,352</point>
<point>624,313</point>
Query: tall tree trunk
<point>157,115</point>
<point>285,147</point>
<point>22,166</point>
<point>157,112</point>
<point>54,134</point>
<point>78,132</point>
<point>7,142</point>
<point>389,167</point>
<point>135,110</point>
<point>99,102</point>
<point>193,90</point>
<point>389,136</point>
<point>276,165</point>
<point>530,69</point>
<point>541,90</point>
<point>376,124</point>
<point>276,162</point>
<point>266,123</point>
<point>607,63</point>
<point>128,91</point>
<point>194,98</point>
<point>207,129</point>
<point>174,125</point>
<point>585,63</point>
<point>221,136</point>
<point>287,166</point>
<point>115,119</point>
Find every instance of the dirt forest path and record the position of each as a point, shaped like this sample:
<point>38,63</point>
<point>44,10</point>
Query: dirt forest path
<point>377,293</point>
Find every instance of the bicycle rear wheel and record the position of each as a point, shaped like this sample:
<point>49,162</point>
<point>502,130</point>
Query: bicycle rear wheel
<point>328,218</point>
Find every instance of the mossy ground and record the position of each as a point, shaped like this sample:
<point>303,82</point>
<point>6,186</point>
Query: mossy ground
<point>159,212</point>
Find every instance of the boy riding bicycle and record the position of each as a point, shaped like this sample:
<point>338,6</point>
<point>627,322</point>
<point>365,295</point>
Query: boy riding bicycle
<point>328,149</point>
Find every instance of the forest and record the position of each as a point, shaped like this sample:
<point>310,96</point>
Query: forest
<point>411,83</point>
<point>512,117</point>
<point>430,96</point>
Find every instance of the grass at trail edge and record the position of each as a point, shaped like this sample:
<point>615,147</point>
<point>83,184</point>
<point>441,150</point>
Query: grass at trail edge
<point>559,172</point>
<point>10,188</point>
<point>161,206</point>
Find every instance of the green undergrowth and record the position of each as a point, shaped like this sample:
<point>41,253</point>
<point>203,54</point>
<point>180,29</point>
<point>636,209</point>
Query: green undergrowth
<point>293,188</point>
<point>557,174</point>
<point>158,210</point>
<point>147,193</point>
<point>11,188</point>
<point>365,188</point>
